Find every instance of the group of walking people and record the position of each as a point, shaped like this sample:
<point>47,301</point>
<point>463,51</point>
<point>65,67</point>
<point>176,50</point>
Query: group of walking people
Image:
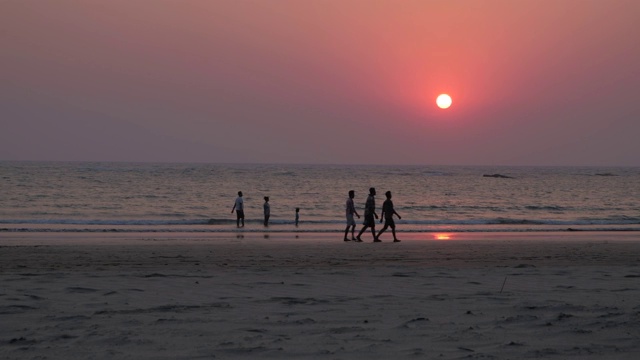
<point>370,215</point>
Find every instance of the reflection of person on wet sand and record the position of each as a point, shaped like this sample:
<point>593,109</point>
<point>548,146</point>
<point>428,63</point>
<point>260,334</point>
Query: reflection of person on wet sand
<point>351,223</point>
<point>387,214</point>
<point>239,209</point>
<point>369,213</point>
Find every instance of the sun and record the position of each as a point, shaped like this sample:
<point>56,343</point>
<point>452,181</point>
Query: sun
<point>443,101</point>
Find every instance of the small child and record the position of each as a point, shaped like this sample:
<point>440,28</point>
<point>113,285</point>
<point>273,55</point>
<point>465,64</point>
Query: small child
<point>267,211</point>
<point>297,216</point>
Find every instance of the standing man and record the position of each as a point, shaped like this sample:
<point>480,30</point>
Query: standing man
<point>239,208</point>
<point>351,209</point>
<point>369,213</point>
<point>387,214</point>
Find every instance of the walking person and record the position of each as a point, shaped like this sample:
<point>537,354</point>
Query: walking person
<point>239,209</point>
<point>387,213</point>
<point>267,210</point>
<point>369,213</point>
<point>351,223</point>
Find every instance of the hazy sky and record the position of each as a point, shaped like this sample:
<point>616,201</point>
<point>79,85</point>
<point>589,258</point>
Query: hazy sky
<point>533,82</point>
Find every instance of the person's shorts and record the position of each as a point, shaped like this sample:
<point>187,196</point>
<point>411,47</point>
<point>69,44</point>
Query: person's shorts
<point>350,221</point>
<point>390,223</point>
<point>369,220</point>
<point>240,214</point>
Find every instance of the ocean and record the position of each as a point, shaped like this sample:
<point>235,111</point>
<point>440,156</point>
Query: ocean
<point>163,197</point>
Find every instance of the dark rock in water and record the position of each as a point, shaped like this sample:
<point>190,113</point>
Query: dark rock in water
<point>498,176</point>
<point>606,174</point>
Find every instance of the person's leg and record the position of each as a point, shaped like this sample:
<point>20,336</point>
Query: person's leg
<point>346,232</point>
<point>237,219</point>
<point>353,230</point>
<point>382,230</point>
<point>373,232</point>
<point>393,231</point>
<point>368,222</point>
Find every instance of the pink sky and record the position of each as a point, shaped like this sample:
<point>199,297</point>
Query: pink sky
<point>533,82</point>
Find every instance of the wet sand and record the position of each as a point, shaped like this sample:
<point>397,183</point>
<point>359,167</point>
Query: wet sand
<point>285,295</point>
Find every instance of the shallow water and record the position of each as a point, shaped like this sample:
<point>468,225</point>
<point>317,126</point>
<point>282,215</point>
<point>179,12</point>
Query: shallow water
<point>198,197</point>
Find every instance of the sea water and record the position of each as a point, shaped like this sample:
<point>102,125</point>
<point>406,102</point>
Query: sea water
<point>156,197</point>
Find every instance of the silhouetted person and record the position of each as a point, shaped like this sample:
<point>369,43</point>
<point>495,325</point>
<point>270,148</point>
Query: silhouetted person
<point>387,214</point>
<point>351,223</point>
<point>297,216</point>
<point>369,213</point>
<point>239,208</point>
<point>267,211</point>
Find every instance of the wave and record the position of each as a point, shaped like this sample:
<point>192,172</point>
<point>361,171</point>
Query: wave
<point>309,230</point>
<point>114,222</point>
<point>545,208</point>
<point>613,221</point>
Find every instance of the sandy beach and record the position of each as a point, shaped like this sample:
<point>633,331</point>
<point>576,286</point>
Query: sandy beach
<point>168,296</point>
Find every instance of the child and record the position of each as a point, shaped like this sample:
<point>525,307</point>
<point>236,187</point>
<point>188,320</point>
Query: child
<point>267,211</point>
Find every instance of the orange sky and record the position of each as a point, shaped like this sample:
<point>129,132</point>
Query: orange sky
<point>534,82</point>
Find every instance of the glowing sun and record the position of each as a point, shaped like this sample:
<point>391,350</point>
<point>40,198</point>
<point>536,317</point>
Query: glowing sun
<point>443,101</point>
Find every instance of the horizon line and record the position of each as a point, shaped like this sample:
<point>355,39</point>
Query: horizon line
<point>248,163</point>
